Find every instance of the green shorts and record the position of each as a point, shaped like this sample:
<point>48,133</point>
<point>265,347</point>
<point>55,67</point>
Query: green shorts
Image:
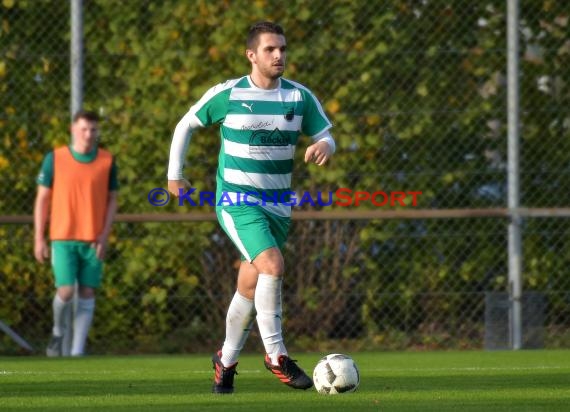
<point>72,260</point>
<point>252,229</point>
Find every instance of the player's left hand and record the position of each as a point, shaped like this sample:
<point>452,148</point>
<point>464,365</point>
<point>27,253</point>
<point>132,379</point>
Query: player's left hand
<point>318,153</point>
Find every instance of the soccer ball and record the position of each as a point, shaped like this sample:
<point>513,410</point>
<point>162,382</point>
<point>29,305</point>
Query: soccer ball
<point>336,373</point>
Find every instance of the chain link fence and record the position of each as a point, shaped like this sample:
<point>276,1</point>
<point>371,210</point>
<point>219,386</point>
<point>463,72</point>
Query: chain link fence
<point>417,94</point>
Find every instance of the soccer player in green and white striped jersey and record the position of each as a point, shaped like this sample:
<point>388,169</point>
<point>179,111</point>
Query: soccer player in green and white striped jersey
<point>261,118</point>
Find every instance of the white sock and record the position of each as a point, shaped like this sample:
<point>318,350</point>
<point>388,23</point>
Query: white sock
<point>60,314</point>
<point>239,320</point>
<point>268,306</point>
<point>82,324</point>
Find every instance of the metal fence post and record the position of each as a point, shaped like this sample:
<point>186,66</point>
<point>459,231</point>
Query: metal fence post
<point>76,67</point>
<point>515,252</point>
<point>76,55</point>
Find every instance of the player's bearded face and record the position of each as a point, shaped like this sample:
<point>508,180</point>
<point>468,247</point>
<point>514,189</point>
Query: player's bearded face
<point>271,55</point>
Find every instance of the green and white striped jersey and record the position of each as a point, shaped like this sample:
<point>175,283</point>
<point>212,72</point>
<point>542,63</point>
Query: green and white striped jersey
<point>259,130</point>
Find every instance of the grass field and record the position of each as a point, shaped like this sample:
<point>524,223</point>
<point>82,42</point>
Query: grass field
<point>403,381</point>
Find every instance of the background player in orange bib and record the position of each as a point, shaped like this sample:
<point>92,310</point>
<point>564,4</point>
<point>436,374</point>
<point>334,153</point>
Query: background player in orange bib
<point>77,189</point>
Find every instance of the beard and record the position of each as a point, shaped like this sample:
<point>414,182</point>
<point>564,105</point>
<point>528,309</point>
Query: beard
<point>273,72</point>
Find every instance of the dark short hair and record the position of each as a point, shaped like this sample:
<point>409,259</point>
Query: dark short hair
<point>86,115</point>
<point>259,28</point>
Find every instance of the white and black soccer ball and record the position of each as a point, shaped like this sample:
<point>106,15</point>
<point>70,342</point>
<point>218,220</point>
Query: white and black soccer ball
<point>336,373</point>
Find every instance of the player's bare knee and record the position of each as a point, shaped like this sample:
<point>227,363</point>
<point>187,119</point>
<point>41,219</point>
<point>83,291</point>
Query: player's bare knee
<point>86,292</point>
<point>248,293</point>
<point>270,267</point>
<point>273,267</point>
<point>270,262</point>
<point>65,293</point>
<point>274,271</point>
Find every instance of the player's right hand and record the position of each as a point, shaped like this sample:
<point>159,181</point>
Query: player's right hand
<point>41,250</point>
<point>175,185</point>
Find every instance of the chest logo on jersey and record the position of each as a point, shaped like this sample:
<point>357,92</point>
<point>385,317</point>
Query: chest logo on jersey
<point>289,112</point>
<point>248,106</point>
<point>264,141</point>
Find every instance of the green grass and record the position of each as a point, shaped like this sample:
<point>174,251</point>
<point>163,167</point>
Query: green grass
<point>404,381</point>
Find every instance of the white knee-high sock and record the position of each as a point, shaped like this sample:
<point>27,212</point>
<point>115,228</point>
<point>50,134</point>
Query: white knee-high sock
<point>239,320</point>
<point>81,325</point>
<point>268,305</point>
<point>61,310</point>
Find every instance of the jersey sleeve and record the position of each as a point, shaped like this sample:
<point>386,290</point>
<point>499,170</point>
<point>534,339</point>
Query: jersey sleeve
<point>113,179</point>
<point>45,177</point>
<point>315,120</point>
<point>213,106</point>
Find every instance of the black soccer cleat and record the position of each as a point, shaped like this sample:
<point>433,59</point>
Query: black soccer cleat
<point>289,373</point>
<point>54,347</point>
<point>223,376</point>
